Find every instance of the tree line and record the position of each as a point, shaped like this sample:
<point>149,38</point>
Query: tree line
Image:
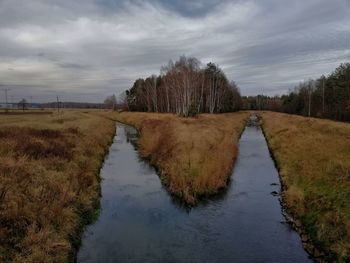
<point>185,88</point>
<point>324,97</point>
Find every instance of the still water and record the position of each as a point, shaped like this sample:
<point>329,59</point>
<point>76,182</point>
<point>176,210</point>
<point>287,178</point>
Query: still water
<point>140,221</point>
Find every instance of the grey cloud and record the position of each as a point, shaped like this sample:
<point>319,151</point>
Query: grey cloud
<point>87,49</point>
<point>73,65</point>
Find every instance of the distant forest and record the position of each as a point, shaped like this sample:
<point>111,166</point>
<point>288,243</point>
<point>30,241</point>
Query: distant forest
<point>326,97</point>
<point>184,88</point>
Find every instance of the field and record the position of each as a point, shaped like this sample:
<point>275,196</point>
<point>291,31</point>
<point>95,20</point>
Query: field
<point>49,184</point>
<point>194,155</point>
<point>49,165</point>
<point>26,111</point>
<point>313,157</point>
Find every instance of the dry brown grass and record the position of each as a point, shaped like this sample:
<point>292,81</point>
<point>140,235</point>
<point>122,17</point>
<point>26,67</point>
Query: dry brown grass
<point>194,155</point>
<point>49,186</point>
<point>314,160</point>
<point>25,112</point>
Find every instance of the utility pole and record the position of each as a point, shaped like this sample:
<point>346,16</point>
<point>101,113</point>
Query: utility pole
<point>6,90</point>
<point>309,102</point>
<point>323,88</point>
<point>7,107</point>
<point>260,102</point>
<point>311,84</point>
<point>58,105</point>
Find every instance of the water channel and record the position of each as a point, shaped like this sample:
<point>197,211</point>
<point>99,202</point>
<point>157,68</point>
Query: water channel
<point>141,222</point>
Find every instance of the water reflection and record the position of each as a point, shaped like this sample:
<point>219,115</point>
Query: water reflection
<point>131,135</point>
<point>141,222</point>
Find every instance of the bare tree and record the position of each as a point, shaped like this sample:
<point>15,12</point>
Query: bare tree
<point>111,102</point>
<point>183,87</point>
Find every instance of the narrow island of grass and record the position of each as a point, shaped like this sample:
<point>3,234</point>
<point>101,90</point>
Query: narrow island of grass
<point>313,158</point>
<point>49,184</point>
<point>195,156</point>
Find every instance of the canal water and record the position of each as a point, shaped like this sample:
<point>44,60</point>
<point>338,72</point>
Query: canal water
<point>140,221</point>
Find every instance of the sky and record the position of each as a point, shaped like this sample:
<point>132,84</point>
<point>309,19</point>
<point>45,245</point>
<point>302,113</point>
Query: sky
<point>85,50</point>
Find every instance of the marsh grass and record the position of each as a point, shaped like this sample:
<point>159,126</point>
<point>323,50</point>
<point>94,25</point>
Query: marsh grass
<point>313,156</point>
<point>195,156</point>
<point>49,184</point>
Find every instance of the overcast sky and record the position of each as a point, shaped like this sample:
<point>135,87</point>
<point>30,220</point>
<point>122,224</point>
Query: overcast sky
<point>84,50</point>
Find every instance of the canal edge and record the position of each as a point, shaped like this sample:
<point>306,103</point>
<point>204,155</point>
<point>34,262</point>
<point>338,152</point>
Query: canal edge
<point>91,216</point>
<point>309,247</point>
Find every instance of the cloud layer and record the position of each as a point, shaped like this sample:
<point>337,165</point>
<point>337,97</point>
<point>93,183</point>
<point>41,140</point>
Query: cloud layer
<point>84,50</point>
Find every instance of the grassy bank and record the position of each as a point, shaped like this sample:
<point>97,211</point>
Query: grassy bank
<point>194,155</point>
<point>49,184</point>
<point>313,156</point>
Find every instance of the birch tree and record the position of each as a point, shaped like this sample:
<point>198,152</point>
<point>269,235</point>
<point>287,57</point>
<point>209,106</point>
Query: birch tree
<point>184,88</point>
